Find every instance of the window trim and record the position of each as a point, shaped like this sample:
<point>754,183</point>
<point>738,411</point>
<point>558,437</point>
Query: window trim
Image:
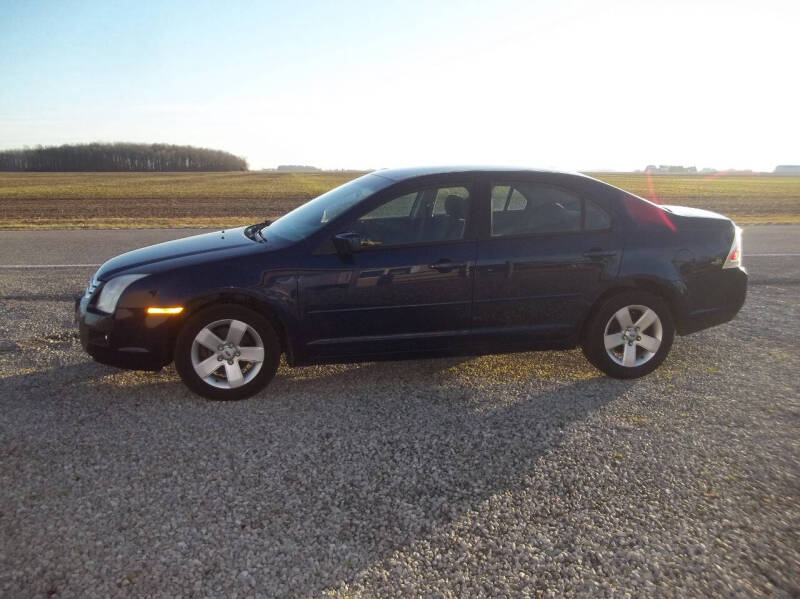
<point>581,197</point>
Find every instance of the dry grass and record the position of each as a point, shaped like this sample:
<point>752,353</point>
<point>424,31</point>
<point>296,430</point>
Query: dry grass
<point>135,200</point>
<point>131,200</point>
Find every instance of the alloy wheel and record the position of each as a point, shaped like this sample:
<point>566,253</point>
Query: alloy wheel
<point>227,353</point>
<point>633,335</point>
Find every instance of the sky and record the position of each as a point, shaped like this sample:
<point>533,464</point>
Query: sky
<point>562,84</point>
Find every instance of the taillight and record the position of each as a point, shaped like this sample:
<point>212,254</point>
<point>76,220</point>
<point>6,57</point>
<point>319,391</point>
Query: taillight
<point>734,259</point>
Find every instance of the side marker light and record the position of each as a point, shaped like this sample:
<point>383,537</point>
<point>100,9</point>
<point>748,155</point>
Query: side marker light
<point>171,311</point>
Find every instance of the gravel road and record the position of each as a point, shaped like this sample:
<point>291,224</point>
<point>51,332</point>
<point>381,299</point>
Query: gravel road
<point>506,475</point>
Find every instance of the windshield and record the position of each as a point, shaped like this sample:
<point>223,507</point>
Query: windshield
<point>312,216</point>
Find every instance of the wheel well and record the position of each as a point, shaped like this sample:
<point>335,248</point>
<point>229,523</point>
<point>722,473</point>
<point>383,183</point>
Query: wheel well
<point>648,285</point>
<point>248,302</point>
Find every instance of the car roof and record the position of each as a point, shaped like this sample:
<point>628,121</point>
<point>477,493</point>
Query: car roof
<point>401,174</point>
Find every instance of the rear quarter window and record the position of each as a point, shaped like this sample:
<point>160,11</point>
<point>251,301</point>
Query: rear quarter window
<point>595,218</point>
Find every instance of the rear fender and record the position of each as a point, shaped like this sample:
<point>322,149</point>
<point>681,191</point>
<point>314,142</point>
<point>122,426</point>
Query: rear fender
<point>673,292</point>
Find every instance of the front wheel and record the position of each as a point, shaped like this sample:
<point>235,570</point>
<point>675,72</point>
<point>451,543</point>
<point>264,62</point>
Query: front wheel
<point>227,352</point>
<point>629,335</point>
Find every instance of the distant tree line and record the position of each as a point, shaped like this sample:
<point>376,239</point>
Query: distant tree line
<point>120,157</point>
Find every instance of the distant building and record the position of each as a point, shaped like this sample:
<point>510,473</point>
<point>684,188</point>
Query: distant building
<point>669,169</point>
<point>785,169</point>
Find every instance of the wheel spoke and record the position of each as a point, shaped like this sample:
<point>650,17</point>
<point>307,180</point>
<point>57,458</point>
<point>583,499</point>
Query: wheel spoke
<point>646,319</point>
<point>614,340</point>
<point>629,355</point>
<point>252,354</point>
<point>234,374</point>
<point>236,332</point>
<point>207,366</point>
<point>208,340</point>
<point>649,343</point>
<point>623,317</point>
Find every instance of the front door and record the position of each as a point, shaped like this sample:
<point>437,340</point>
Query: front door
<point>409,288</point>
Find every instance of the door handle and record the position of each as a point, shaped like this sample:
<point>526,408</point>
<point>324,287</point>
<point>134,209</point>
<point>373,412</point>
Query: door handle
<point>446,265</point>
<point>599,253</point>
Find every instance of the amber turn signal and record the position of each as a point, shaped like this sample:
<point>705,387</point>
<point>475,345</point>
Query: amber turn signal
<point>175,310</point>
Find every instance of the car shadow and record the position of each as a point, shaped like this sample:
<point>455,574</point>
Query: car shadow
<point>330,470</point>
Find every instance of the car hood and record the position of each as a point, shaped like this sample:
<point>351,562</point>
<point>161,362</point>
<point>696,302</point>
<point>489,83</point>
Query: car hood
<point>208,245</point>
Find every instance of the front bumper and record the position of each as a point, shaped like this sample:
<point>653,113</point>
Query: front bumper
<point>127,339</point>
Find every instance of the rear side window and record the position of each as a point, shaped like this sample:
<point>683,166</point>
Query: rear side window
<point>540,209</point>
<point>506,197</point>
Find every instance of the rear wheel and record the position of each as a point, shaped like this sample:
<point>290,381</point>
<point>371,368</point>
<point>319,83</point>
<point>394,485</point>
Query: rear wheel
<point>227,352</point>
<point>629,334</point>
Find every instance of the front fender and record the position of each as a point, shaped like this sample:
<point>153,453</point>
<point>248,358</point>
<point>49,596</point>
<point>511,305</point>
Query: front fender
<point>272,292</point>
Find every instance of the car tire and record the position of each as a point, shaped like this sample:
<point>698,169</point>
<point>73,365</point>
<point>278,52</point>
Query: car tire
<point>629,334</point>
<point>227,352</point>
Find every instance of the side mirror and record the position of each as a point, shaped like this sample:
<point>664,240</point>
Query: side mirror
<point>347,243</point>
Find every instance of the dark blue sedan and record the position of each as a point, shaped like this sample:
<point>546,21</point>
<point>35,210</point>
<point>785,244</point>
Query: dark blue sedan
<point>421,262</point>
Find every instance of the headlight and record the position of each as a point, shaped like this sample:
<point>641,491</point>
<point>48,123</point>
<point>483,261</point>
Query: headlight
<point>112,290</point>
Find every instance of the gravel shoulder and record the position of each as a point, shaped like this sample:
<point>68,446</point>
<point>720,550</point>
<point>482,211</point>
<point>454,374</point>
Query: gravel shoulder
<point>517,475</point>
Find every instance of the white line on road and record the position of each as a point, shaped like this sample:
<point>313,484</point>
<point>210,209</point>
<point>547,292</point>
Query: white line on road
<point>746,255</point>
<point>46,265</point>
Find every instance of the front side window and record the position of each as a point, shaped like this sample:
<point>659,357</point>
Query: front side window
<point>397,208</point>
<point>540,209</point>
<point>442,193</point>
<point>424,216</point>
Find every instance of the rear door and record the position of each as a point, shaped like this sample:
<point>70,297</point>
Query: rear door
<point>541,259</point>
<point>410,286</point>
